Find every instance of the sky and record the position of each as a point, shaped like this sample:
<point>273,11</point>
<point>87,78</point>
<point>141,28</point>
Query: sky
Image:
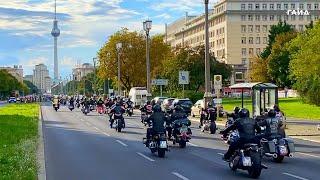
<point>85,25</point>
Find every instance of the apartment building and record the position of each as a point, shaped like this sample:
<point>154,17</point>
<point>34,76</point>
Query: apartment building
<point>239,29</point>
<point>81,71</point>
<point>16,71</point>
<point>41,78</point>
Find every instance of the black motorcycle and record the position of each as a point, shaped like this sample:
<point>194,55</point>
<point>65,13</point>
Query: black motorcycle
<point>278,148</point>
<point>129,111</point>
<point>85,110</point>
<point>248,157</point>
<point>181,132</point>
<point>78,105</point>
<point>56,107</point>
<point>71,107</point>
<point>119,122</point>
<point>158,143</point>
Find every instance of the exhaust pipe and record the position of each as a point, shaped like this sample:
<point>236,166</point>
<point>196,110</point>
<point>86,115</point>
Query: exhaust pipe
<point>275,155</point>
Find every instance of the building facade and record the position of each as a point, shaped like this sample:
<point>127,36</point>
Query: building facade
<point>28,78</point>
<point>16,71</point>
<point>41,78</point>
<point>81,71</point>
<point>239,29</point>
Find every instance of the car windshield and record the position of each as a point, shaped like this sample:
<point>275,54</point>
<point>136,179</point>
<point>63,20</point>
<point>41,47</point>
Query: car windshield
<point>185,103</point>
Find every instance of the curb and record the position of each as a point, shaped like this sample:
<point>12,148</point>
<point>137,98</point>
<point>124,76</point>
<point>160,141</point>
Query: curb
<point>40,151</point>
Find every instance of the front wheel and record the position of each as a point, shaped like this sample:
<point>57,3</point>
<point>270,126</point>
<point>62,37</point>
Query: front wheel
<point>119,129</point>
<point>182,144</point>
<point>161,152</point>
<point>213,128</point>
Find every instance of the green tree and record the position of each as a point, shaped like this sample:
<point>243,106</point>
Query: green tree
<point>258,70</point>
<point>281,27</point>
<point>305,64</point>
<point>9,83</point>
<point>32,88</point>
<point>279,60</point>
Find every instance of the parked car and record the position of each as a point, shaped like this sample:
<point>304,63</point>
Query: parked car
<point>167,104</point>
<point>12,100</point>
<point>158,100</point>
<point>186,104</point>
<point>196,108</point>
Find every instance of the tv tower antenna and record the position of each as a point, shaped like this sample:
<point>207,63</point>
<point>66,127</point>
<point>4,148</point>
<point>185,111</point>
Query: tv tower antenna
<point>55,33</point>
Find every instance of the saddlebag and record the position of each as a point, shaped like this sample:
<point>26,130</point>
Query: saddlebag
<point>290,145</point>
<point>269,146</point>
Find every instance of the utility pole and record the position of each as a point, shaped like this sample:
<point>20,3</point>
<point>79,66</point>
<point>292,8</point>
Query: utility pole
<point>119,47</point>
<point>207,94</point>
<point>147,27</point>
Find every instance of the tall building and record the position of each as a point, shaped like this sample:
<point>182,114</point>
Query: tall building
<point>28,78</point>
<point>55,33</point>
<point>41,78</point>
<point>239,29</point>
<point>16,71</point>
<point>82,70</point>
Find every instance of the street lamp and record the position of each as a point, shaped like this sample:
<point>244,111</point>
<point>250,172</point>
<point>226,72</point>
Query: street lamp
<point>147,27</point>
<point>207,94</point>
<point>94,74</point>
<point>119,47</point>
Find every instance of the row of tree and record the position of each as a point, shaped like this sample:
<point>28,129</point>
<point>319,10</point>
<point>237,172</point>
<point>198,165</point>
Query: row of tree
<point>9,84</point>
<point>291,60</point>
<point>165,62</point>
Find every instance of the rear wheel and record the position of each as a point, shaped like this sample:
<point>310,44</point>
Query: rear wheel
<point>255,169</point>
<point>161,152</point>
<point>182,144</point>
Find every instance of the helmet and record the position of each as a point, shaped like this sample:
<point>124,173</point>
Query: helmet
<point>156,108</point>
<point>148,102</point>
<point>271,113</point>
<point>244,113</point>
<point>178,108</point>
<point>276,108</point>
<point>209,104</point>
<point>236,110</point>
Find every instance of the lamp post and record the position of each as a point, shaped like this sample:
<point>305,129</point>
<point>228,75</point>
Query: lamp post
<point>94,75</point>
<point>119,47</point>
<point>71,84</point>
<point>147,27</point>
<point>207,94</point>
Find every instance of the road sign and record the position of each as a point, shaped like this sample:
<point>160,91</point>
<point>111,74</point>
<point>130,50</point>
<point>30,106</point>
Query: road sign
<point>183,77</point>
<point>217,82</point>
<point>217,101</point>
<point>160,82</point>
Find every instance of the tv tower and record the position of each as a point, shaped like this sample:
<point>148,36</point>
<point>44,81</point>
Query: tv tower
<point>55,33</point>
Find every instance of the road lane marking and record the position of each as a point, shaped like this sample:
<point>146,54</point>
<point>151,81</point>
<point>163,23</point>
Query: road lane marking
<point>308,155</point>
<point>106,134</point>
<point>82,120</point>
<point>192,144</point>
<point>146,157</point>
<point>180,176</point>
<point>295,176</point>
<point>122,143</point>
<point>221,154</point>
<point>96,128</point>
<point>88,124</point>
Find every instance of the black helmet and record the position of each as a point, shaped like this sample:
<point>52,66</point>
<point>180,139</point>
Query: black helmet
<point>156,108</point>
<point>209,104</point>
<point>236,110</point>
<point>276,108</point>
<point>244,113</point>
<point>271,113</point>
<point>148,102</point>
<point>178,108</point>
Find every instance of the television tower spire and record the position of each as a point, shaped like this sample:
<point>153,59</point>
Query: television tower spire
<point>55,33</point>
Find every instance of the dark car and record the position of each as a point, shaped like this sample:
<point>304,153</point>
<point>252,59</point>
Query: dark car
<point>186,104</point>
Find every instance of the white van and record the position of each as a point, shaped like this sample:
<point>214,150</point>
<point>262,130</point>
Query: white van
<point>138,95</point>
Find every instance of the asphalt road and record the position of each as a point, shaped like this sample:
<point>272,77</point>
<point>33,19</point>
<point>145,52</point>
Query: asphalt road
<point>84,147</point>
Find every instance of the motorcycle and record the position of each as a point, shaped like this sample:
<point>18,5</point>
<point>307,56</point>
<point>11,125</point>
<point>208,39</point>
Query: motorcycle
<point>158,143</point>
<point>181,132</point>
<point>119,122</point>
<point>248,158</point>
<point>129,111</point>
<point>100,109</point>
<point>78,105</point>
<point>56,106</point>
<point>85,110</point>
<point>92,107</point>
<point>209,125</point>
<point>144,118</point>
<point>278,148</point>
<point>71,107</point>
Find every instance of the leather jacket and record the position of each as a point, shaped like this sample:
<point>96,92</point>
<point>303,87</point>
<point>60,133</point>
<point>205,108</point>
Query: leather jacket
<point>247,128</point>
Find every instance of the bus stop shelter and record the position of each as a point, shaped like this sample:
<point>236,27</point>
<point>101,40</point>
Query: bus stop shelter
<point>264,96</point>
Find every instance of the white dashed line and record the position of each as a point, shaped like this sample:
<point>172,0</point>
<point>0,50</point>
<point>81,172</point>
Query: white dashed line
<point>308,155</point>
<point>146,157</point>
<point>179,176</point>
<point>192,144</point>
<point>96,128</point>
<point>81,120</point>
<point>221,154</point>
<point>295,176</point>
<point>106,134</point>
<point>88,124</point>
<point>120,142</point>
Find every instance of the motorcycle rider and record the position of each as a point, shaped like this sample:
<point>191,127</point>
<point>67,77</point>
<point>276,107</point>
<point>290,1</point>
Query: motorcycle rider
<point>178,114</point>
<point>273,125</point>
<point>117,109</point>
<point>56,101</point>
<point>147,109</point>
<point>247,128</point>
<point>158,119</point>
<point>71,101</point>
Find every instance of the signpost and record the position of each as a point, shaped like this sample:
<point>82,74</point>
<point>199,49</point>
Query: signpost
<point>183,79</point>
<point>217,88</point>
<point>160,82</point>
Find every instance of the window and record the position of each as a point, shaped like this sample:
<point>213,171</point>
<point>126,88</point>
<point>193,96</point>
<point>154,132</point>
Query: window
<point>250,17</point>
<point>278,6</point>
<point>286,7</point>
<point>258,28</point>
<point>250,28</point>
<point>271,17</point>
<point>257,6</point>
<point>243,40</point>
<point>243,17</point>
<point>278,17</point>
<point>243,29</point>
<point>271,6</point>
<point>301,6</point>
<point>244,61</point>
<point>316,6</point>
<point>244,51</point>
<point>239,76</point>
<point>257,17</point>
<point>250,6</point>
<point>301,18</point>
<point>257,40</point>
<point>286,17</point>
<point>258,51</point>
<point>316,17</point>
<point>265,28</point>
<point>264,6</point>
<point>300,28</point>
<point>243,6</point>
<point>251,51</point>
<point>250,40</point>
<point>309,18</point>
<point>265,18</point>
<point>309,6</point>
<point>293,6</point>
<point>264,40</point>
<point>293,17</point>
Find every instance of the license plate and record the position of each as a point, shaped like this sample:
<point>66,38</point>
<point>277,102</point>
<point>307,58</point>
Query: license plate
<point>246,161</point>
<point>163,144</point>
